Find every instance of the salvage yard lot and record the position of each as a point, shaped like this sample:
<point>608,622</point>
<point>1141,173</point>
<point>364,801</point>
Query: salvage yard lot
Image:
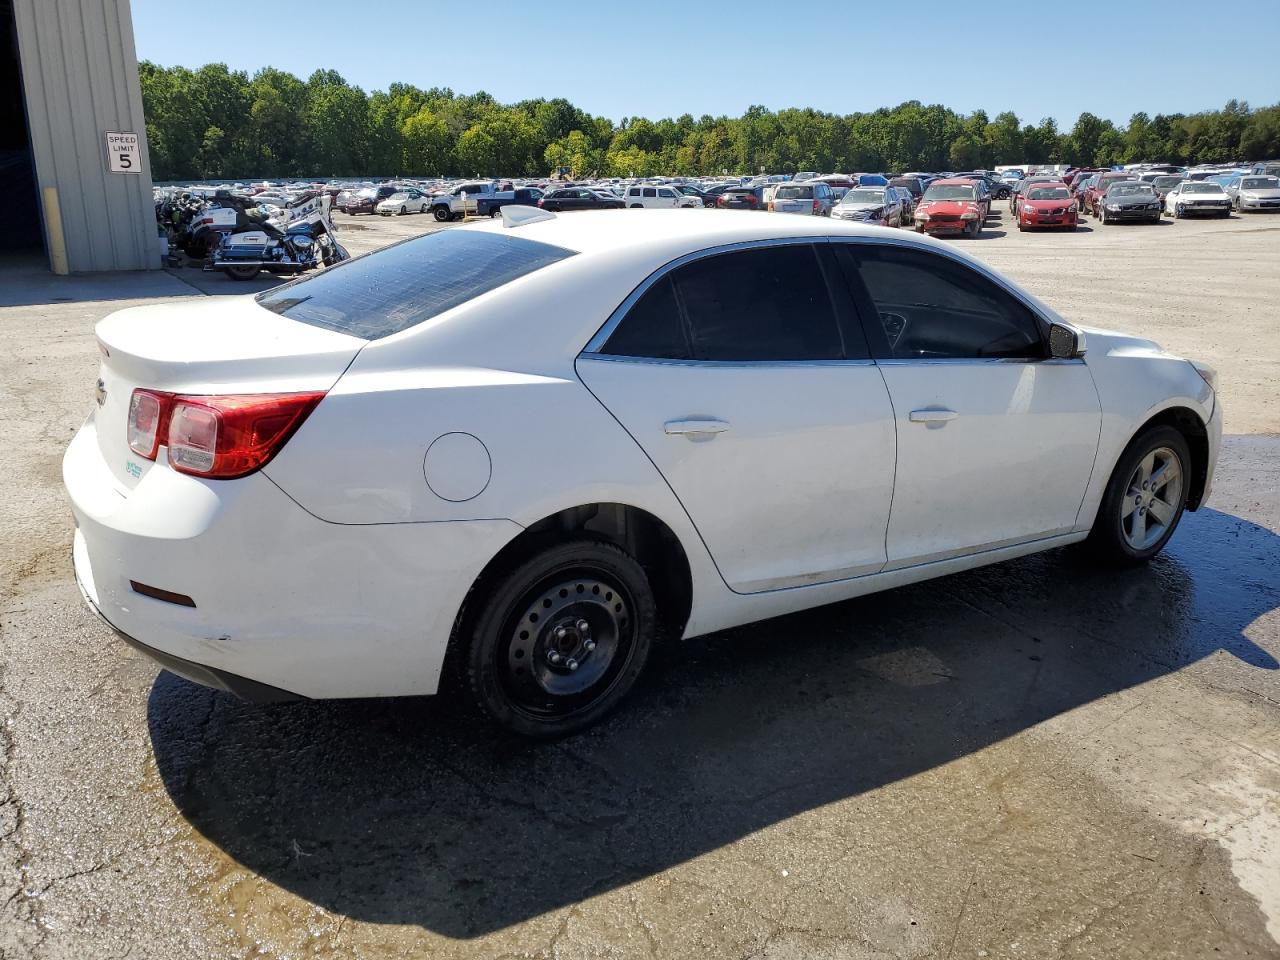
<point>1032,760</point>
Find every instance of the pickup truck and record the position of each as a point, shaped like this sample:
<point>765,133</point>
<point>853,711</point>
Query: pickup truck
<point>449,206</point>
<point>492,206</point>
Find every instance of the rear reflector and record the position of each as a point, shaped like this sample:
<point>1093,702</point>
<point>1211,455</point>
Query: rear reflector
<point>168,596</point>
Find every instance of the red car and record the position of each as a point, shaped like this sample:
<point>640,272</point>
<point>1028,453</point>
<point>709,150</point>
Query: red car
<point>952,206</point>
<point>1048,205</point>
<point>1097,190</point>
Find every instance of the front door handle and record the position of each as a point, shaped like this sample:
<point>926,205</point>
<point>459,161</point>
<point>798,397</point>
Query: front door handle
<point>695,428</point>
<point>932,416</point>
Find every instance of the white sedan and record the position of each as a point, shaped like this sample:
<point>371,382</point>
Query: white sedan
<point>405,201</point>
<point>535,447</point>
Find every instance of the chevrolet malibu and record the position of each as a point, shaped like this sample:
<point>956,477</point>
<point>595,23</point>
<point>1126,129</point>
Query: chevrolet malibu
<point>519,454</point>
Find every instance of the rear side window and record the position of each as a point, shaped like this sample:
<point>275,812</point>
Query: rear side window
<point>652,328</point>
<point>400,287</point>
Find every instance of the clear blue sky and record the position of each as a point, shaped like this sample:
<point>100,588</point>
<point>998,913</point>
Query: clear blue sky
<point>719,57</point>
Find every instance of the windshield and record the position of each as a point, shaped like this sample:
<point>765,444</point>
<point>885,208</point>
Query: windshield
<point>1164,183</point>
<point>399,287</point>
<point>1049,193</point>
<point>794,193</point>
<point>1260,183</point>
<point>1130,190</point>
<point>950,192</point>
<point>1202,188</point>
<point>863,196</point>
<point>397,196</point>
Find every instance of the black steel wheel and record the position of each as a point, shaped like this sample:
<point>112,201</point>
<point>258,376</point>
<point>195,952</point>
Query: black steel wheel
<point>560,639</point>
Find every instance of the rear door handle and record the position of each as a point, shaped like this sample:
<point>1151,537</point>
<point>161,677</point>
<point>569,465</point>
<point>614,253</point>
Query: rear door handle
<point>932,416</point>
<point>695,428</point>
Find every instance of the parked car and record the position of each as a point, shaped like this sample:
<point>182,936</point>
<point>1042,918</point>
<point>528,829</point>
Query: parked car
<point>810,199</point>
<point>1130,200</point>
<point>740,198</point>
<point>1251,192</point>
<point>1197,197</point>
<point>906,204</point>
<point>404,201</point>
<point>579,198</point>
<point>462,200</point>
<point>953,206</point>
<point>1097,190</point>
<point>913,185</point>
<point>711,196</point>
<point>1081,189</point>
<point>1270,168</point>
<point>870,205</point>
<point>689,190</point>
<point>366,200</point>
<point>1019,188</point>
<point>521,196</point>
<point>1163,183</point>
<point>1047,205</point>
<point>657,196</point>
<point>341,551</point>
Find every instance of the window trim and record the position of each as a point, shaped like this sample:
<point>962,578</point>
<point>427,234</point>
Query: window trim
<point>843,307</point>
<point>875,337</point>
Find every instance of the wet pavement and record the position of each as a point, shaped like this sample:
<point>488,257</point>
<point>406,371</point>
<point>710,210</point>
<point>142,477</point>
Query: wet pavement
<point>1037,760</point>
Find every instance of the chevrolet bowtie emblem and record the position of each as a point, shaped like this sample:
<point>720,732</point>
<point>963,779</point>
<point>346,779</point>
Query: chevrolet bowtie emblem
<point>102,392</point>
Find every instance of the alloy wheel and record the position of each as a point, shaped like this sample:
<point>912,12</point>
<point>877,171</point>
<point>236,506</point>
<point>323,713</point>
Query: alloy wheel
<point>1153,498</point>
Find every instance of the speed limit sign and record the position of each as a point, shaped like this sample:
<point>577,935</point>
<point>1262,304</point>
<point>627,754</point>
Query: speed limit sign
<point>122,153</point>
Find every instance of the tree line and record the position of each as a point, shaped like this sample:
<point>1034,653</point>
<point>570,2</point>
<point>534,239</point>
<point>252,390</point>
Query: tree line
<point>216,123</point>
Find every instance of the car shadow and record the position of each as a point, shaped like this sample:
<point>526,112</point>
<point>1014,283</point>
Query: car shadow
<point>400,812</point>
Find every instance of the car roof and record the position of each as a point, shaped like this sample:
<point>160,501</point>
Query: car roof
<point>953,182</point>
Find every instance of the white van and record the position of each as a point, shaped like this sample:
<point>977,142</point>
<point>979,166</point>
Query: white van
<point>655,195</point>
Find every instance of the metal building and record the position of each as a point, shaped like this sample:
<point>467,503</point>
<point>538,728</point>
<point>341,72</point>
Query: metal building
<point>72,135</point>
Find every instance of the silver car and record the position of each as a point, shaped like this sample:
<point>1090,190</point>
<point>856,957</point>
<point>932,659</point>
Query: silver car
<point>811,199</point>
<point>870,205</point>
<point>1252,192</point>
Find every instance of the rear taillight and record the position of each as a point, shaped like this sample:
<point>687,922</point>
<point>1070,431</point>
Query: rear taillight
<point>817,206</point>
<point>216,436</point>
<point>148,410</point>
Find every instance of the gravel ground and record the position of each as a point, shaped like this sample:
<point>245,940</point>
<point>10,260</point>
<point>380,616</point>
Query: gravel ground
<point>1030,760</point>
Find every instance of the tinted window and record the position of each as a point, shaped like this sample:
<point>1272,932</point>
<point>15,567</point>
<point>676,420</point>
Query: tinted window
<point>933,307</point>
<point>765,304</point>
<point>383,293</point>
<point>669,194</point>
<point>651,328</point>
<point>650,192</point>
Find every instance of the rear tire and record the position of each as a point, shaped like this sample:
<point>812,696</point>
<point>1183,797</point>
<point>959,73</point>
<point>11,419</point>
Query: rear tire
<point>243,273</point>
<point>558,641</point>
<point>1127,531</point>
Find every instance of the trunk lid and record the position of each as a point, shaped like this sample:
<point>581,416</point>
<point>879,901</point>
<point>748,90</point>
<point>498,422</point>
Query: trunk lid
<point>215,346</point>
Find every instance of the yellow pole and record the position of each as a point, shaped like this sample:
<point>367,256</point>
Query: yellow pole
<point>53,226</point>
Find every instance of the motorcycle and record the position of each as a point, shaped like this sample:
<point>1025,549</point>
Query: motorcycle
<point>247,240</point>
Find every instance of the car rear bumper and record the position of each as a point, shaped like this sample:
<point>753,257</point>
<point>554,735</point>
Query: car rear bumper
<point>279,599</point>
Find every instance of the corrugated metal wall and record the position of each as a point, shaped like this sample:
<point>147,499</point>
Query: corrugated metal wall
<point>80,77</point>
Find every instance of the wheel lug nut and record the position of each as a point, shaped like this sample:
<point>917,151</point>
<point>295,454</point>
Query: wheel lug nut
<point>589,645</point>
<point>583,625</point>
<point>561,633</point>
<point>571,663</point>
<point>553,657</point>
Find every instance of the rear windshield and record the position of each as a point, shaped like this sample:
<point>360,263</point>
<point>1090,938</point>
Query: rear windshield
<point>400,287</point>
<point>794,193</point>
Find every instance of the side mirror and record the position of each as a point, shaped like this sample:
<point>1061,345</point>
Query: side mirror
<point>1064,343</point>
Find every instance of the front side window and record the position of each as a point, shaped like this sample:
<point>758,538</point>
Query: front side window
<point>931,307</point>
<point>667,194</point>
<point>765,304</point>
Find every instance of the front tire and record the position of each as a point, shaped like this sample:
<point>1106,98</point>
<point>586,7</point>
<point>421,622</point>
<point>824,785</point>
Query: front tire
<point>242,273</point>
<point>443,214</point>
<point>1144,499</point>
<point>559,640</point>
